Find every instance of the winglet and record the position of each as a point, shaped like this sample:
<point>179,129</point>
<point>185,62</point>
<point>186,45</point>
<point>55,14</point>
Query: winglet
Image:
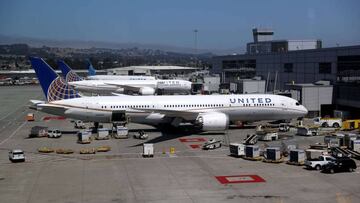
<point>91,69</point>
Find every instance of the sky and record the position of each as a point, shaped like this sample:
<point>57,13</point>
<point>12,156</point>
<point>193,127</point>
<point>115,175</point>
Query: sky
<point>221,24</point>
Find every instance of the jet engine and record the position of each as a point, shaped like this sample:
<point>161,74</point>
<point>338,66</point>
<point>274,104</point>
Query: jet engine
<point>147,91</point>
<point>213,121</point>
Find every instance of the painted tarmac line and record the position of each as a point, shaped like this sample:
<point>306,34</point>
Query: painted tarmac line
<point>12,134</point>
<point>7,115</point>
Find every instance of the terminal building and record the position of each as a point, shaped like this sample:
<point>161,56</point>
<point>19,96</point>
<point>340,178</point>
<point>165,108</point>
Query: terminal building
<point>297,62</point>
<point>173,71</point>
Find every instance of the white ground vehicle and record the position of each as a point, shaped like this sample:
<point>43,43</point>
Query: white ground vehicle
<point>284,127</point>
<point>141,135</point>
<point>17,155</point>
<point>148,150</point>
<point>54,133</point>
<point>319,162</point>
<point>79,124</point>
<point>212,144</point>
<point>328,122</point>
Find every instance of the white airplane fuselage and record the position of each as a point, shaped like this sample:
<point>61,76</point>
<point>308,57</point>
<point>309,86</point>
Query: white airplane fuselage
<point>120,77</point>
<point>120,86</point>
<point>163,109</point>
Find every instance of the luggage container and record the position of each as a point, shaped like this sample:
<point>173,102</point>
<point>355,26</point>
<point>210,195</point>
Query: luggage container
<point>252,151</point>
<point>237,149</point>
<point>355,145</point>
<point>148,150</point>
<point>121,132</point>
<point>84,137</point>
<point>102,134</point>
<point>273,153</point>
<point>297,156</point>
<point>38,131</point>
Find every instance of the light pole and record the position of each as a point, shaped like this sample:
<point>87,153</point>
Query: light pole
<point>195,45</point>
<point>195,40</point>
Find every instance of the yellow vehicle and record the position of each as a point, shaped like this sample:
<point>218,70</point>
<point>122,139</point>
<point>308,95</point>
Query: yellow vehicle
<point>351,124</point>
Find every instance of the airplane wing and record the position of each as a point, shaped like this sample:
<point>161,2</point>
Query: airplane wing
<point>117,94</point>
<point>187,115</point>
<point>51,108</point>
<point>127,87</point>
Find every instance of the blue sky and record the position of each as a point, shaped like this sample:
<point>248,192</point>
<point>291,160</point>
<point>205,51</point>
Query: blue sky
<point>222,24</point>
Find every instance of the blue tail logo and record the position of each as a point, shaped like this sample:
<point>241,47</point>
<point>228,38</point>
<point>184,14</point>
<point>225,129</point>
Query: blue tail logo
<point>53,86</point>
<point>69,74</point>
<point>91,69</point>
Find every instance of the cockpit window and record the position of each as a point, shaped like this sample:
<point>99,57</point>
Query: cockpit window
<point>297,104</point>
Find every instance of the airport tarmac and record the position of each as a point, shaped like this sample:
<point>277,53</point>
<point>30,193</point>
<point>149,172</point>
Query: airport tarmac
<point>122,175</point>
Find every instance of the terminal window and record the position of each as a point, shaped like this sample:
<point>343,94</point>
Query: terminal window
<point>288,67</point>
<point>325,68</point>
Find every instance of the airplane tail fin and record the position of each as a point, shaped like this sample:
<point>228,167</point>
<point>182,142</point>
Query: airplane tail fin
<point>53,86</point>
<point>69,74</point>
<point>91,69</point>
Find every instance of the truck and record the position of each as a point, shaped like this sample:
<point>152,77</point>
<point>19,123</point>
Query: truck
<point>16,155</point>
<point>319,162</point>
<point>328,122</point>
<point>350,124</point>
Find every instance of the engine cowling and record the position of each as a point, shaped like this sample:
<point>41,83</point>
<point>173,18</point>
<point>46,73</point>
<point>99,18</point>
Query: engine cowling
<point>213,121</point>
<point>147,91</point>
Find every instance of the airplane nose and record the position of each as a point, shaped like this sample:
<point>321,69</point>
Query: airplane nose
<point>304,110</point>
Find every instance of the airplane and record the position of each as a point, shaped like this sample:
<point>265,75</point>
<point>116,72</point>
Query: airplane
<point>92,75</point>
<point>107,87</point>
<point>206,112</point>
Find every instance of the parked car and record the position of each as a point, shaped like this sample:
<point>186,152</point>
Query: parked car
<point>319,162</point>
<point>16,155</point>
<point>339,165</point>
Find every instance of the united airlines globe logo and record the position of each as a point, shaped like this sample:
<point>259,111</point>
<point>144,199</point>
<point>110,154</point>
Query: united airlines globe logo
<point>59,90</point>
<point>71,77</point>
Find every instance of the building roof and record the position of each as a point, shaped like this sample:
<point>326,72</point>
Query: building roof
<point>153,68</point>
